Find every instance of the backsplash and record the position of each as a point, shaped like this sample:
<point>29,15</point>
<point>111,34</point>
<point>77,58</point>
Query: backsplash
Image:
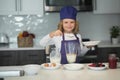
<point>12,25</point>
<point>40,26</point>
<point>93,26</point>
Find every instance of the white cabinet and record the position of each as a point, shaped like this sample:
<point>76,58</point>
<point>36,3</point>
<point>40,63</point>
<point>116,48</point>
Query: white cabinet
<point>8,7</point>
<point>31,7</point>
<point>21,7</point>
<point>107,6</point>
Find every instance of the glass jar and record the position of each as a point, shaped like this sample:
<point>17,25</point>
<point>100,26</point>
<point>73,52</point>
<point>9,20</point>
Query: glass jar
<point>112,60</point>
<point>55,55</point>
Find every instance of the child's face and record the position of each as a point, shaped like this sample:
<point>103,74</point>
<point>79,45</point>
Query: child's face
<point>68,25</point>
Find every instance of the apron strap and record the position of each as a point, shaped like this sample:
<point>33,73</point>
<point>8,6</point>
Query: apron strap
<point>63,37</point>
<point>76,36</point>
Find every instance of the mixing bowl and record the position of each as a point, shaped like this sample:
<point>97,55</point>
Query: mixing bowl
<point>31,69</point>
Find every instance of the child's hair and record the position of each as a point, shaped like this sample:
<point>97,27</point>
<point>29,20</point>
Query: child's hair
<point>75,30</point>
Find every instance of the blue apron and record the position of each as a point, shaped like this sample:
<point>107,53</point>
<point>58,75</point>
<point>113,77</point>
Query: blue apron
<point>63,52</point>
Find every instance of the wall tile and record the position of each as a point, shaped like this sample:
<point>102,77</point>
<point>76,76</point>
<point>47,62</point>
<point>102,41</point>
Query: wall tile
<point>95,27</point>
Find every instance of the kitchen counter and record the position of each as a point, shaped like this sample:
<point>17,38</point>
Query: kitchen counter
<point>13,46</point>
<point>62,74</point>
<point>104,44</point>
<point>28,48</point>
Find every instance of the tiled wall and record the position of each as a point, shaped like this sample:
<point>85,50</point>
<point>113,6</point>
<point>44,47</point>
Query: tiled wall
<point>93,26</point>
<point>12,25</point>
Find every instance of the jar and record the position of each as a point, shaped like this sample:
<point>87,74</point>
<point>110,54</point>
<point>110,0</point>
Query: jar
<point>55,55</point>
<point>112,60</point>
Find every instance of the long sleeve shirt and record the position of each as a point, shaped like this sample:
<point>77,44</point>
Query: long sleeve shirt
<point>56,40</point>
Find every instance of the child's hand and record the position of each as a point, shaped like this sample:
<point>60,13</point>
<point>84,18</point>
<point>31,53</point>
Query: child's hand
<point>55,33</point>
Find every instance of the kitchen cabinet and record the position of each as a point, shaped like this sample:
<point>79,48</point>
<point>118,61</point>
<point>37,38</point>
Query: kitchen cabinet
<point>8,58</point>
<point>31,57</point>
<point>22,57</point>
<point>21,7</point>
<point>106,6</point>
<point>90,56</point>
<point>104,52</point>
<point>8,7</point>
<point>31,7</point>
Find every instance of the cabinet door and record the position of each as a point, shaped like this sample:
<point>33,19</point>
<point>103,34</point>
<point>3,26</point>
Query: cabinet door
<point>8,7</point>
<point>107,6</point>
<point>32,57</point>
<point>103,53</point>
<point>8,58</point>
<point>31,7</point>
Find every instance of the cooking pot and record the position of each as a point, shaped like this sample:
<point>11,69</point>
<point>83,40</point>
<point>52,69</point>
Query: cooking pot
<point>4,38</point>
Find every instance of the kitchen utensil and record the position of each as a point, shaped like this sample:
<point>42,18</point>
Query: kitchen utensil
<point>55,56</point>
<point>11,73</point>
<point>4,38</point>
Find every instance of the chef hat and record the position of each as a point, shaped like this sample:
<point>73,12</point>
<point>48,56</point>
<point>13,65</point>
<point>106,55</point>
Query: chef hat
<point>68,12</point>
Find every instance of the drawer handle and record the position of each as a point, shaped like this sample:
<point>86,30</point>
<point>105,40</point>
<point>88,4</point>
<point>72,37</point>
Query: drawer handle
<point>6,56</point>
<point>33,55</point>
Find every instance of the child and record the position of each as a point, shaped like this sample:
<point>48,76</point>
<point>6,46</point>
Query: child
<point>67,32</point>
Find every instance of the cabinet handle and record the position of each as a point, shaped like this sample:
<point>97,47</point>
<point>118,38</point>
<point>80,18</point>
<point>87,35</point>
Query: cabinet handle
<point>6,56</point>
<point>32,55</point>
<point>95,4</point>
<point>15,5</point>
<point>20,5</point>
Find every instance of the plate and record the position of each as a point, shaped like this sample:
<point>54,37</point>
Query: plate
<point>97,68</point>
<point>91,43</point>
<point>50,66</point>
<point>73,66</point>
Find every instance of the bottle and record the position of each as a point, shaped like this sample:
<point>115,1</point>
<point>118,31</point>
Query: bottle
<point>112,60</point>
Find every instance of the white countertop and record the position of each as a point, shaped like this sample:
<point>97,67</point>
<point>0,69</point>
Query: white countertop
<point>13,46</point>
<point>62,74</point>
<point>104,44</point>
<point>28,48</point>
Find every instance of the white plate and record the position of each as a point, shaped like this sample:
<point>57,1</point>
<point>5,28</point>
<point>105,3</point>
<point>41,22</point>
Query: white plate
<point>50,67</point>
<point>91,43</point>
<point>97,68</point>
<point>73,66</point>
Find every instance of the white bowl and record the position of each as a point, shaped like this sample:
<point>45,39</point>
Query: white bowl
<point>73,66</point>
<point>31,69</point>
<point>91,43</point>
